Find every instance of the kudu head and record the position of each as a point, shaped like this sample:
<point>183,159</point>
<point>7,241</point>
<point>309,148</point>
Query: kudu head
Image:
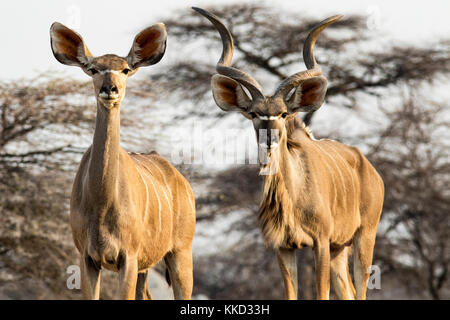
<point>109,72</point>
<point>302,92</point>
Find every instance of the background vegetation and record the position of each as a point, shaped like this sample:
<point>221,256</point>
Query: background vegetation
<point>392,94</point>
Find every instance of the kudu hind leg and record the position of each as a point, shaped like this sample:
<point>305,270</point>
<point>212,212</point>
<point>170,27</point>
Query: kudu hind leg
<point>142,291</point>
<point>287,260</point>
<point>179,264</point>
<point>90,278</point>
<point>340,275</point>
<point>363,253</point>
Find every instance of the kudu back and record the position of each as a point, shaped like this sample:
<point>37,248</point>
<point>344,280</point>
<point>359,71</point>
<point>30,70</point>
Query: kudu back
<point>127,211</point>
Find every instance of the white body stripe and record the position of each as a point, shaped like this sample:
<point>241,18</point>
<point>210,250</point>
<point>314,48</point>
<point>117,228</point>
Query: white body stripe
<point>332,178</point>
<point>146,191</point>
<point>186,185</point>
<point>167,186</point>
<point>347,166</point>
<point>337,167</point>
<point>164,177</point>
<point>157,196</point>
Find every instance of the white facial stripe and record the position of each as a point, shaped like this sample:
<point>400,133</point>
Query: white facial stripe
<point>268,118</point>
<point>103,72</point>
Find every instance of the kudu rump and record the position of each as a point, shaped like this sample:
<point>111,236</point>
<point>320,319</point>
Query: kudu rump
<point>127,211</point>
<point>317,193</point>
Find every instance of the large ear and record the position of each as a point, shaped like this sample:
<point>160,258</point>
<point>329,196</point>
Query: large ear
<point>229,95</point>
<point>309,95</point>
<point>148,46</point>
<point>68,47</point>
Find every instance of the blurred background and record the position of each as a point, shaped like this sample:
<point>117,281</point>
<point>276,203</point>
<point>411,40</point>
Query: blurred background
<point>388,66</point>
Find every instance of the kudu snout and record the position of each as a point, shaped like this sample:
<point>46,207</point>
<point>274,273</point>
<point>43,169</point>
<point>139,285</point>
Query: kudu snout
<point>268,138</point>
<point>108,90</point>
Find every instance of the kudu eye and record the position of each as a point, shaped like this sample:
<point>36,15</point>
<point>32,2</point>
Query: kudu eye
<point>126,71</point>
<point>284,115</point>
<point>92,71</point>
<point>252,114</point>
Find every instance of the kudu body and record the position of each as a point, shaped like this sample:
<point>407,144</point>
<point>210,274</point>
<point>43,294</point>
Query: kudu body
<point>317,193</point>
<point>127,211</point>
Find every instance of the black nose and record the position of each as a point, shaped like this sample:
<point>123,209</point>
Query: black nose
<point>272,138</point>
<point>108,89</point>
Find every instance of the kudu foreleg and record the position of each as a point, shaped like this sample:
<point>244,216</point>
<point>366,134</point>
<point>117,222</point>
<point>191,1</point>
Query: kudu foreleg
<point>322,264</point>
<point>90,278</point>
<point>128,274</point>
<point>287,260</point>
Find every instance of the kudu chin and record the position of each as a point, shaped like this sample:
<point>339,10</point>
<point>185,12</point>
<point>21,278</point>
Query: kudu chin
<point>317,193</point>
<point>127,211</point>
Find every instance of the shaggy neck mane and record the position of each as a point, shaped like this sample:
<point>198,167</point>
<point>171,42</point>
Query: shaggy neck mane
<point>276,208</point>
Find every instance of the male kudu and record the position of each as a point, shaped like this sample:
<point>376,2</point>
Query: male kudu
<point>127,211</point>
<point>318,193</point>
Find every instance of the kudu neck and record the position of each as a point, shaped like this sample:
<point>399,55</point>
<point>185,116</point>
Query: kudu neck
<point>104,159</point>
<point>289,161</point>
<point>283,157</point>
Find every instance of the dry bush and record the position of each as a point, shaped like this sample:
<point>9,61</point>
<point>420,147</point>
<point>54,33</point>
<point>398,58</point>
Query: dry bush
<point>413,155</point>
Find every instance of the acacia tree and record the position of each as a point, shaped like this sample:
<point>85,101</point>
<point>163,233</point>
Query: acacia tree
<point>26,108</point>
<point>34,116</point>
<point>413,155</point>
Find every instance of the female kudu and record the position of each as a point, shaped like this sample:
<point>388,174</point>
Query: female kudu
<point>127,211</point>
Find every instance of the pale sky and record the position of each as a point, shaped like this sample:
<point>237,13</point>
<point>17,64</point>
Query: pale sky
<point>109,26</point>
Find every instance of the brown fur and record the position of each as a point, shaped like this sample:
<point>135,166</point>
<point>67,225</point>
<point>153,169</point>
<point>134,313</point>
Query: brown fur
<point>329,196</point>
<point>282,211</point>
